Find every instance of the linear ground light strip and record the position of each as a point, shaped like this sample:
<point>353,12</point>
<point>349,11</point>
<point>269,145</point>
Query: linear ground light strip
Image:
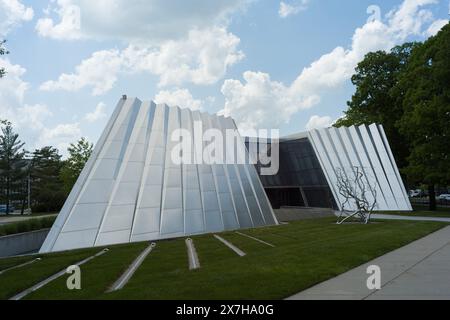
<point>41,284</point>
<point>20,265</point>
<point>231,246</point>
<point>123,280</point>
<point>256,239</point>
<point>194,262</point>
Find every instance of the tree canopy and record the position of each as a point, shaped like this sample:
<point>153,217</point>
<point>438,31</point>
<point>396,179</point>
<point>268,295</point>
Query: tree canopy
<point>408,91</point>
<point>79,154</point>
<point>3,51</point>
<point>47,192</point>
<point>425,123</point>
<point>12,165</point>
<point>374,101</point>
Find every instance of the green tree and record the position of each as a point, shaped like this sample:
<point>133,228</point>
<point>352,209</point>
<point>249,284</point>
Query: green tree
<point>79,154</point>
<point>3,51</point>
<point>47,189</point>
<point>374,102</point>
<point>426,120</point>
<point>12,165</point>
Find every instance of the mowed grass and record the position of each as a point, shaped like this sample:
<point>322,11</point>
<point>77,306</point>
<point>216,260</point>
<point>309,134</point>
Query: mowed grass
<point>17,280</point>
<point>306,253</point>
<point>93,276</point>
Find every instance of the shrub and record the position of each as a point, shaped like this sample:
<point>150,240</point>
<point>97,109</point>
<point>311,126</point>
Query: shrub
<point>27,226</point>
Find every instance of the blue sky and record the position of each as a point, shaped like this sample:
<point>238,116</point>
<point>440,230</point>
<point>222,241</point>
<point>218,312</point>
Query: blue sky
<point>269,64</point>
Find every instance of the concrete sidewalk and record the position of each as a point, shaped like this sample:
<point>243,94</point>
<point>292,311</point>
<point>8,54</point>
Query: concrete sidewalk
<point>420,270</point>
<point>394,217</point>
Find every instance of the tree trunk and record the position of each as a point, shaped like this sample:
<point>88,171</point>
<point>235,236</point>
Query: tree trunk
<point>8,186</point>
<point>432,197</point>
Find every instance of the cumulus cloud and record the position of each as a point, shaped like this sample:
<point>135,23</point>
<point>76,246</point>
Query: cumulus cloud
<point>69,26</point>
<point>98,72</point>
<point>179,97</point>
<point>13,89</point>
<point>259,100</point>
<point>12,100</point>
<point>435,27</point>
<point>149,21</point>
<point>202,58</point>
<point>288,9</point>
<point>98,114</point>
<point>262,102</point>
<point>12,13</point>
<point>60,136</point>
<point>317,122</point>
<point>31,120</point>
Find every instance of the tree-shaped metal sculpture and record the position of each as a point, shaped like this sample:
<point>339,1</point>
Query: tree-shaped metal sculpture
<point>358,192</point>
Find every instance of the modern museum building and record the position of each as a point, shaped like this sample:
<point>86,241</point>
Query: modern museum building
<point>131,189</point>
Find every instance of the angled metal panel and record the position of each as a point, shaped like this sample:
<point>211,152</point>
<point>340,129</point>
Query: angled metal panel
<point>329,159</point>
<point>240,202</point>
<point>385,188</point>
<point>147,220</point>
<point>369,171</point>
<point>223,188</point>
<point>394,165</point>
<point>70,202</point>
<point>192,200</point>
<point>388,169</point>
<point>118,217</point>
<point>325,164</point>
<point>172,220</point>
<point>354,158</point>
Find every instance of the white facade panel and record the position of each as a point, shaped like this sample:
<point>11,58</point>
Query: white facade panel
<point>340,150</point>
<point>131,190</point>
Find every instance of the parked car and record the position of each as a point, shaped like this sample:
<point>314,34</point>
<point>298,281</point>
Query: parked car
<point>416,193</point>
<point>444,197</point>
<point>3,209</point>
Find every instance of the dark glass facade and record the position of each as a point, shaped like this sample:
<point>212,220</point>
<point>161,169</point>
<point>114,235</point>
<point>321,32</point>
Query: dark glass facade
<point>300,181</point>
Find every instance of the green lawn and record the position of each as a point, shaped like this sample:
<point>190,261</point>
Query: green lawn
<point>17,280</point>
<point>306,253</point>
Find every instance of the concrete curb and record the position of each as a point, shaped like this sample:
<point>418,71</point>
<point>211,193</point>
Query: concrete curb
<point>126,276</point>
<point>231,246</point>
<point>194,262</point>
<point>41,284</point>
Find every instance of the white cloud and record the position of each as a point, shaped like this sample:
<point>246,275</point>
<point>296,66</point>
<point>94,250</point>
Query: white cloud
<point>261,102</point>
<point>60,136</point>
<point>202,58</point>
<point>12,99</point>
<point>33,116</point>
<point>288,9</point>
<point>150,21</point>
<point>31,120</point>
<point>98,114</point>
<point>317,122</point>
<point>12,13</point>
<point>435,27</point>
<point>99,72</point>
<point>179,97</point>
<point>69,26</point>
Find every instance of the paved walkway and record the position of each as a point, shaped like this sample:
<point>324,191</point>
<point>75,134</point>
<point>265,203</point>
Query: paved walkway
<point>394,217</point>
<point>420,270</point>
